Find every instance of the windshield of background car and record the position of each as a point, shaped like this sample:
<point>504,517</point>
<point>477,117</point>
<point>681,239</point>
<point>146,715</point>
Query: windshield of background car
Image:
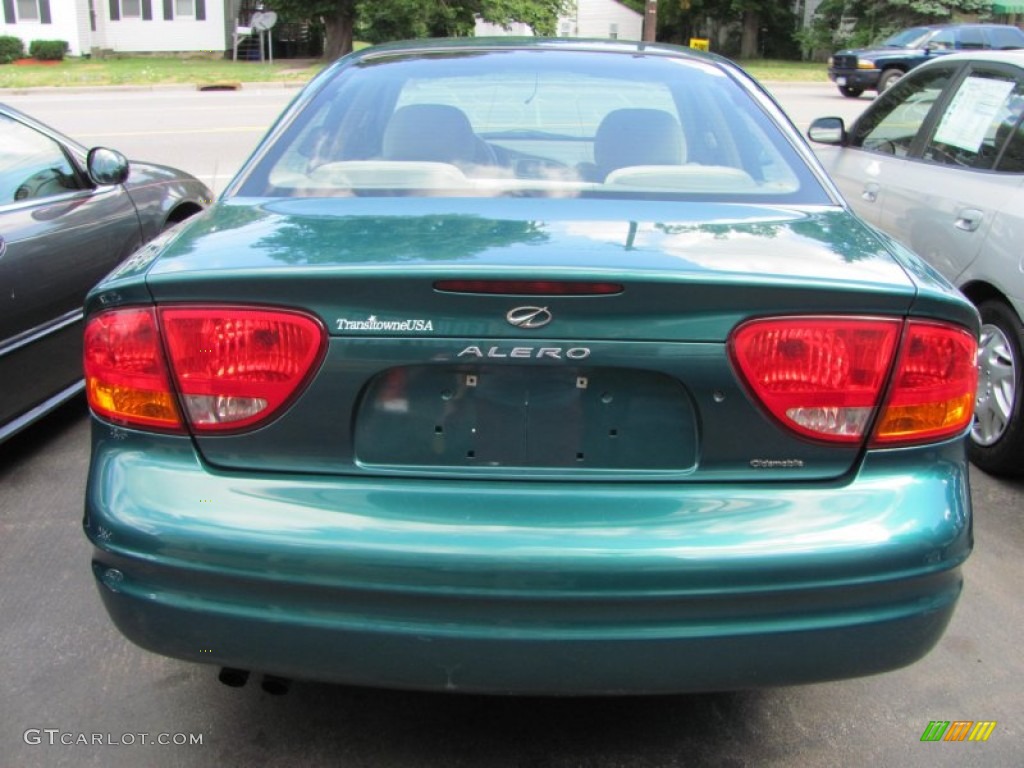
<point>908,38</point>
<point>892,123</point>
<point>534,123</point>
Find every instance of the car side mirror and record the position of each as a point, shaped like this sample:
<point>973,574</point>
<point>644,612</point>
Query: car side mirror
<point>107,166</point>
<point>828,130</point>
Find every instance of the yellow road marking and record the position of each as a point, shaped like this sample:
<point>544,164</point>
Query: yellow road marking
<point>180,131</point>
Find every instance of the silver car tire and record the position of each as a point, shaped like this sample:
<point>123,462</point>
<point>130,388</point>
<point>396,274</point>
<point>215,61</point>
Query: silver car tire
<point>997,437</point>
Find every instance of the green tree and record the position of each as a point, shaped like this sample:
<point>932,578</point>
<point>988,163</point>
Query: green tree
<point>385,20</point>
<point>773,18</point>
<point>763,26</point>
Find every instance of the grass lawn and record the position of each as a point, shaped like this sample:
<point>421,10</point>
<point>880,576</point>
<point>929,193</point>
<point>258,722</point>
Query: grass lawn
<point>786,71</point>
<point>146,70</point>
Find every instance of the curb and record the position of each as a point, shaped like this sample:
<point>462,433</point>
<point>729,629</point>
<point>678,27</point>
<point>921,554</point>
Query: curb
<point>155,87</point>
<point>236,86</point>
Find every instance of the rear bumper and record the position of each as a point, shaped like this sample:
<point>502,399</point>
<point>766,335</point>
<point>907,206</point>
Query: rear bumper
<point>510,587</point>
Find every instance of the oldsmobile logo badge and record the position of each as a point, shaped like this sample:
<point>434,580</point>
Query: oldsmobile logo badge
<point>529,317</point>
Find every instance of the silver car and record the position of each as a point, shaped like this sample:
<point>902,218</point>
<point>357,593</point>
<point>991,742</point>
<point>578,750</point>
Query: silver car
<point>938,163</point>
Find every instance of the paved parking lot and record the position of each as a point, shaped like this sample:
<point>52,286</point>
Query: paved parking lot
<point>77,694</point>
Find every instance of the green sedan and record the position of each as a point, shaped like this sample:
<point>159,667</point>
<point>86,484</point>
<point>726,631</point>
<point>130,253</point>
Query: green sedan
<point>532,367</point>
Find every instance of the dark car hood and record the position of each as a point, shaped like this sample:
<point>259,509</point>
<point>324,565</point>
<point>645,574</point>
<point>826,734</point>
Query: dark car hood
<point>868,53</point>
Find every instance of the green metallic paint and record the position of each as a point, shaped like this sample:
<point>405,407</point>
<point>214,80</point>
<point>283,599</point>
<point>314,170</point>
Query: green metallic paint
<point>786,261</point>
<point>283,551</point>
<point>686,286</point>
<point>661,238</point>
<point>316,434</point>
<point>528,587</point>
<point>526,416</point>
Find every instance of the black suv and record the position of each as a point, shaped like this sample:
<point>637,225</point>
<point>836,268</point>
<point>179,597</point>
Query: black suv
<point>878,67</point>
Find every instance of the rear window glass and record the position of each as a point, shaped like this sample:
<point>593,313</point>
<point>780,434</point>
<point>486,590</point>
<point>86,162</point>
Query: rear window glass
<point>908,38</point>
<point>1006,37</point>
<point>972,38</point>
<point>538,123</point>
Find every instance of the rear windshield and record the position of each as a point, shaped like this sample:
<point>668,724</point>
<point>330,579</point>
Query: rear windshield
<point>1006,37</point>
<point>536,123</point>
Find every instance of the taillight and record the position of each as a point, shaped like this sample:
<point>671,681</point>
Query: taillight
<point>933,387</point>
<point>825,377</point>
<point>126,377</point>
<point>232,367</point>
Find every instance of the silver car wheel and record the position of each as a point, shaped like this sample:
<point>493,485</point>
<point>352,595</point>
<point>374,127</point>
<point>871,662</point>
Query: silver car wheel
<point>996,386</point>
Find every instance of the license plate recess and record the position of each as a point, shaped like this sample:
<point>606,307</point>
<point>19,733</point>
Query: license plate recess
<point>526,416</point>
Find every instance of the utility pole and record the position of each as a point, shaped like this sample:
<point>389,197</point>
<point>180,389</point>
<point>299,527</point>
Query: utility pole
<point>650,20</point>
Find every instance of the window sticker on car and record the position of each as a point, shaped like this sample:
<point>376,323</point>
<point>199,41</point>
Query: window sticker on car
<point>373,323</point>
<point>972,111</point>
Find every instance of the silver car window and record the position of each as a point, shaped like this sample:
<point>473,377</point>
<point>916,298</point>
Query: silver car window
<point>972,38</point>
<point>899,114</point>
<point>1012,158</point>
<point>976,121</point>
<point>944,39</point>
<point>33,165</point>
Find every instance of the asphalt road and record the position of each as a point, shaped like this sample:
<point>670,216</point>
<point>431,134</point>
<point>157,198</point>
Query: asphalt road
<point>68,676</point>
<point>207,133</point>
<point>211,133</point>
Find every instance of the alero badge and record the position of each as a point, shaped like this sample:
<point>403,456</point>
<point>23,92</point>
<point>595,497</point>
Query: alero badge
<point>529,317</point>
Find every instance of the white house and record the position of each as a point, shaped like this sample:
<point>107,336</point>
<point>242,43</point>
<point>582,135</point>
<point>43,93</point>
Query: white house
<point>591,18</point>
<point>123,25</point>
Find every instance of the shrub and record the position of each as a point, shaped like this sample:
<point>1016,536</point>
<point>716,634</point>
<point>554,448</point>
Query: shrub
<point>11,48</point>
<point>48,50</point>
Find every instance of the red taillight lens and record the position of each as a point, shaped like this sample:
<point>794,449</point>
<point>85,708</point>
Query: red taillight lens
<point>933,387</point>
<point>126,377</point>
<point>820,376</point>
<point>231,367</point>
<point>824,377</point>
<point>235,367</point>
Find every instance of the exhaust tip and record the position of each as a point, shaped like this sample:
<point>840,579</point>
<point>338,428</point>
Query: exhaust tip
<point>233,678</point>
<point>275,686</point>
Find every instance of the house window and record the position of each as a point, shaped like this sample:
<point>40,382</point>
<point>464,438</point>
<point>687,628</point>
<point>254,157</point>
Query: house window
<point>613,31</point>
<point>131,9</point>
<point>184,7</point>
<point>28,10</point>
<point>566,29</point>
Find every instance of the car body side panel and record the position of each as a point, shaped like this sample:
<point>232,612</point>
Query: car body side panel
<point>862,178</point>
<point>915,203</point>
<point>1001,262</point>
<point>945,223</point>
<point>55,250</point>
<point>158,190</point>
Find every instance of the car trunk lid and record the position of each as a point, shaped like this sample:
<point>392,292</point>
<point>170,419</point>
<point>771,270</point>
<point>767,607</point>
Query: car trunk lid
<point>427,375</point>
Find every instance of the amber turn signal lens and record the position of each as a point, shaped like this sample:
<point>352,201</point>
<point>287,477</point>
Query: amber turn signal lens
<point>126,378</point>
